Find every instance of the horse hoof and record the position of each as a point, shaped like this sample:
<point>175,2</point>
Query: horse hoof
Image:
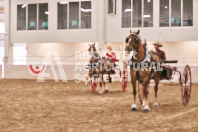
<point>155,106</point>
<point>133,109</point>
<point>106,91</point>
<point>142,107</point>
<point>146,110</point>
<point>99,93</point>
<point>86,83</point>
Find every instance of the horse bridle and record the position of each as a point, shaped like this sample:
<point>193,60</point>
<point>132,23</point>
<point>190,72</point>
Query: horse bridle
<point>136,40</point>
<point>93,47</point>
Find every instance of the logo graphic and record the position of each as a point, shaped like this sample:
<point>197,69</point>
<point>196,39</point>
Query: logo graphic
<point>36,70</point>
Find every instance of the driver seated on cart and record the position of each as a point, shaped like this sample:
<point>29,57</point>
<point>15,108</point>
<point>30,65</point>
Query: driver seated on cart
<point>112,56</point>
<point>167,69</point>
<point>162,54</point>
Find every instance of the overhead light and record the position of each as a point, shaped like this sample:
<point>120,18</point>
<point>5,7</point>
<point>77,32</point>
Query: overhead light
<point>166,7</point>
<point>85,10</point>
<point>46,12</point>
<point>23,6</point>
<point>147,16</point>
<point>64,2</point>
<point>148,0</point>
<point>128,10</point>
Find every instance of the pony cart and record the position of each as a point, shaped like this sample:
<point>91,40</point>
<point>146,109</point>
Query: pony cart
<point>97,71</point>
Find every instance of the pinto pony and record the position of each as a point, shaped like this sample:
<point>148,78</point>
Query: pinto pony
<point>134,43</point>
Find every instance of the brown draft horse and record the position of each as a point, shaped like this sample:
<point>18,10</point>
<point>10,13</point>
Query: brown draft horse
<point>98,67</point>
<point>143,76</point>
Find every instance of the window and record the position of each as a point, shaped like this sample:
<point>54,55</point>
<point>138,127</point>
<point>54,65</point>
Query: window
<point>171,15</point>
<point>19,54</point>
<point>62,15</point>
<point>21,17</point>
<point>175,12</point>
<point>74,15</point>
<point>142,13</point>
<point>164,13</point>
<point>126,13</point>
<point>148,13</point>
<point>111,7</point>
<point>43,16</point>
<point>2,27</point>
<point>86,15</point>
<point>137,13</point>
<point>32,22</point>
<point>187,12</point>
<point>2,50</point>
<point>32,17</point>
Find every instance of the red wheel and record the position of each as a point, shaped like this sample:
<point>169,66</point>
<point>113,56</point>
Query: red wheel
<point>125,79</point>
<point>186,85</point>
<point>94,83</point>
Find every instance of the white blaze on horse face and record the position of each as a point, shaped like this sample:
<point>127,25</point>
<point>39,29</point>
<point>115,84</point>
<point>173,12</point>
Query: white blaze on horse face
<point>131,54</point>
<point>129,40</point>
<point>92,49</point>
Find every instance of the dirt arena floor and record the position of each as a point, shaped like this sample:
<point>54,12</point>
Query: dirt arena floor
<point>26,105</point>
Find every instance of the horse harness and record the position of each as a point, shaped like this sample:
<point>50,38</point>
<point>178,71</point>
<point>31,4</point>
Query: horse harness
<point>146,59</point>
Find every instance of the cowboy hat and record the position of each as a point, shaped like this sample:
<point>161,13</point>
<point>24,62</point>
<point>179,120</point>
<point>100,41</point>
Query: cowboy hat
<point>158,43</point>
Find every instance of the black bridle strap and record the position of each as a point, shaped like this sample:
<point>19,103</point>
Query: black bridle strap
<point>138,42</point>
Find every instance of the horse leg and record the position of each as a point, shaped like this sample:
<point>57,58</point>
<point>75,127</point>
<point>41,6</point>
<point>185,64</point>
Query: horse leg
<point>156,89</point>
<point>133,82</point>
<point>134,105</point>
<point>145,106</point>
<point>143,99</point>
<point>104,84</point>
<point>107,85</point>
<point>101,89</point>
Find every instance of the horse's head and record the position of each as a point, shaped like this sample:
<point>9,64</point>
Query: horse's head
<point>132,41</point>
<point>92,48</point>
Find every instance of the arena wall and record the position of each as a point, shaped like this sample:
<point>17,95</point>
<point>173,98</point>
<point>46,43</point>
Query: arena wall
<point>21,72</point>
